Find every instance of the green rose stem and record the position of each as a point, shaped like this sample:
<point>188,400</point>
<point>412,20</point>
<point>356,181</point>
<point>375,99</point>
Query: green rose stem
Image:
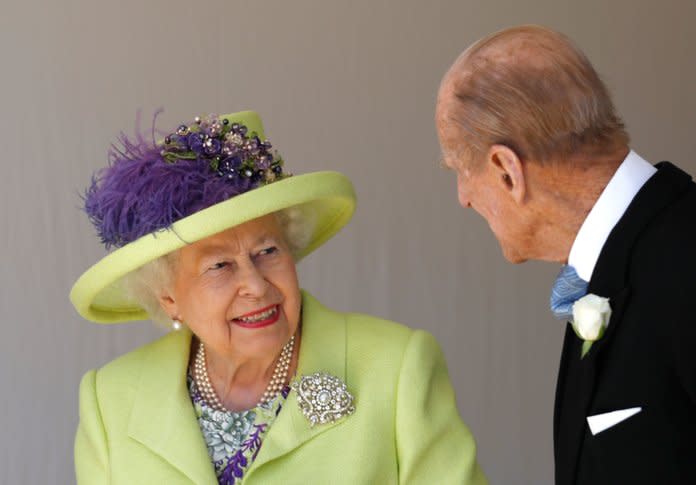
<point>586,345</point>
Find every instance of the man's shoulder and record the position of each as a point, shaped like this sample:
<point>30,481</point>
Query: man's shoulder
<point>663,258</point>
<point>673,232</point>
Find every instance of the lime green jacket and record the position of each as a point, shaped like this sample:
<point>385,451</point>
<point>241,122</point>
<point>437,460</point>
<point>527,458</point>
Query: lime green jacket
<point>137,423</point>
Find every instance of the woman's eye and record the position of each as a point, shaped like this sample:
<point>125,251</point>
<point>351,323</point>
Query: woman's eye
<point>267,251</point>
<point>219,265</point>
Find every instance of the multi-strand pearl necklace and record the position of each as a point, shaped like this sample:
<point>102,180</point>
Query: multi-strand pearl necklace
<point>276,384</point>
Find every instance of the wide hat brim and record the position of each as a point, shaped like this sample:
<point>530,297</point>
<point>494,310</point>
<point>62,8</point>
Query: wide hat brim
<point>329,197</point>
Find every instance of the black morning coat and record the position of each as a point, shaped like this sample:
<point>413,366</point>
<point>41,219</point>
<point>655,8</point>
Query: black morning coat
<point>646,358</point>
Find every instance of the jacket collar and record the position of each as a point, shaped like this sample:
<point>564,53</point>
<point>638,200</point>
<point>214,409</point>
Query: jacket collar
<point>163,418</point>
<point>610,279</point>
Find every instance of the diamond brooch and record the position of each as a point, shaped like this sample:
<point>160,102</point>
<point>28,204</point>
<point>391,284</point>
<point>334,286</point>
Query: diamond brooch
<point>323,398</point>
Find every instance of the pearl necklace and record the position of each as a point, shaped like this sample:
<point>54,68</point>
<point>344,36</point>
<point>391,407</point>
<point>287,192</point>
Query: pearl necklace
<point>276,384</point>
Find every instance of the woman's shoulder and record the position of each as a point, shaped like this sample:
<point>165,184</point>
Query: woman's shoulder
<point>374,353</point>
<point>371,334</point>
<point>126,369</point>
<point>381,340</point>
<point>369,328</point>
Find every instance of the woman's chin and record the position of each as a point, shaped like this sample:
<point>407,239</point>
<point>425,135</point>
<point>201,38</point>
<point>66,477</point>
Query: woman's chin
<point>261,340</point>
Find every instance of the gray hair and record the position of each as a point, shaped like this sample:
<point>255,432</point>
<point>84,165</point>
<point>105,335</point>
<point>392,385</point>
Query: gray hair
<point>145,285</point>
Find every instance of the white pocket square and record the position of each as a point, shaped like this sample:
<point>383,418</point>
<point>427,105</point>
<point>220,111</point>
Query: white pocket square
<point>601,422</point>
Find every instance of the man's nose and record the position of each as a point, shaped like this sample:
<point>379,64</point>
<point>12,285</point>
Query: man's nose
<point>464,200</point>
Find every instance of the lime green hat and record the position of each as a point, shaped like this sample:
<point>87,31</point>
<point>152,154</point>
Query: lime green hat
<point>206,177</point>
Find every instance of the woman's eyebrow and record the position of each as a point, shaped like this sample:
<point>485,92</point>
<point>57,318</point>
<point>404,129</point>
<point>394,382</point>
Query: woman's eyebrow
<point>265,238</point>
<point>214,251</point>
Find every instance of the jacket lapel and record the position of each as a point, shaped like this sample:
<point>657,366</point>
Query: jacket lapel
<point>577,377</point>
<point>574,398</point>
<point>163,418</point>
<point>322,348</point>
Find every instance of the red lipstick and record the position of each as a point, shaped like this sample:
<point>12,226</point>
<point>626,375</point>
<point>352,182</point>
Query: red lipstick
<point>251,322</point>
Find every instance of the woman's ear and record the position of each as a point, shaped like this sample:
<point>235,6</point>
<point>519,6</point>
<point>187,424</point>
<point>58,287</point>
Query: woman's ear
<point>509,169</point>
<point>169,305</point>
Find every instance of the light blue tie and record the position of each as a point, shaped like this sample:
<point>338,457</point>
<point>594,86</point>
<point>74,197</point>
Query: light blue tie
<point>567,289</point>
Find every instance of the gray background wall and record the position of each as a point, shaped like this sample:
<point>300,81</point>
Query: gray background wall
<point>348,86</point>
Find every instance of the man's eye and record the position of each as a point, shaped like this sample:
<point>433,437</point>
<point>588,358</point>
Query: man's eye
<point>219,265</point>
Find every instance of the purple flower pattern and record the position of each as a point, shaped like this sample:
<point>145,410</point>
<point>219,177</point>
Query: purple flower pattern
<point>234,439</point>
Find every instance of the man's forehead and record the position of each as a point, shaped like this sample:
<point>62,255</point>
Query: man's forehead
<point>445,95</point>
<point>451,137</point>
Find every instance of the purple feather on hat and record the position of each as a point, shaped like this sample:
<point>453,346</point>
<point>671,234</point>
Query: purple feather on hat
<point>140,192</point>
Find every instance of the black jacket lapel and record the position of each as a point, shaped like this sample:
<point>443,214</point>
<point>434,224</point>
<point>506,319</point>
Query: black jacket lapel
<point>576,379</point>
<point>576,389</point>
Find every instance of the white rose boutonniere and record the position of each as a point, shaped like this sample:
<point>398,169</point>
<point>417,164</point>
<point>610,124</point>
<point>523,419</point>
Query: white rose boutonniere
<point>591,315</point>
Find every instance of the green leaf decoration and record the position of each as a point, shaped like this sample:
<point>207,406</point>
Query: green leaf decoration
<point>586,345</point>
<point>170,157</point>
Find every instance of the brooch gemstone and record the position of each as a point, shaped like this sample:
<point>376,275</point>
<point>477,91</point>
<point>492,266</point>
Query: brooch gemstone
<point>323,398</point>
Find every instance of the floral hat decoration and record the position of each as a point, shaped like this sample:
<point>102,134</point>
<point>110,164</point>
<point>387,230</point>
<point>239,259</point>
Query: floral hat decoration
<point>207,176</point>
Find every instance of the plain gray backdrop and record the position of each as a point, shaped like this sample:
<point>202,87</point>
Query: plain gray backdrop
<point>346,86</point>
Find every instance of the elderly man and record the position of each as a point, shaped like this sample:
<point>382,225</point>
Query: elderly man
<point>540,152</point>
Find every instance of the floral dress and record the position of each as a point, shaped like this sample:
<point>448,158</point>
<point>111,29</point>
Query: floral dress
<point>234,438</point>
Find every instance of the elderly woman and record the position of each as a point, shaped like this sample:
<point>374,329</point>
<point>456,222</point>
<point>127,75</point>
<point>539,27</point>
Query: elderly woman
<point>257,382</point>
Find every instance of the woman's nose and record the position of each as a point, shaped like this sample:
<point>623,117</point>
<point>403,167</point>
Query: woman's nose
<point>252,282</point>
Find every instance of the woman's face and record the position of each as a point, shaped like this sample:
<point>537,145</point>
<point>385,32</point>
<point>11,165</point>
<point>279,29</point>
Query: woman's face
<point>238,290</point>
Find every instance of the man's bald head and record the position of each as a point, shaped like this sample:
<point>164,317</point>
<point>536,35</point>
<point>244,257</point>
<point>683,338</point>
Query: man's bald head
<point>528,88</point>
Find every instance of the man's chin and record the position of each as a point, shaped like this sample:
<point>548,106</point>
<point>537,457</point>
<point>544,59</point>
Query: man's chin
<point>513,257</point>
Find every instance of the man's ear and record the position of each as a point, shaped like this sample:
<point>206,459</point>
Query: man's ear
<point>508,168</point>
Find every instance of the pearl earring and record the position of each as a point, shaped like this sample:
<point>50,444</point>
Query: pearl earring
<point>176,325</point>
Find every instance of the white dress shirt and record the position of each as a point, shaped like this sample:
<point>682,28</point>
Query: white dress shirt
<point>609,208</point>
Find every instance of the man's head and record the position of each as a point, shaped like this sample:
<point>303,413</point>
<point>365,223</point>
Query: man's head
<point>517,113</point>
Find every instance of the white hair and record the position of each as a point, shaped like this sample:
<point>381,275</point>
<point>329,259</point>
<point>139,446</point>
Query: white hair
<point>145,285</point>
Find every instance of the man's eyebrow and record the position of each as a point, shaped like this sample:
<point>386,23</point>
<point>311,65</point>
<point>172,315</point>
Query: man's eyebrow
<point>442,164</point>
